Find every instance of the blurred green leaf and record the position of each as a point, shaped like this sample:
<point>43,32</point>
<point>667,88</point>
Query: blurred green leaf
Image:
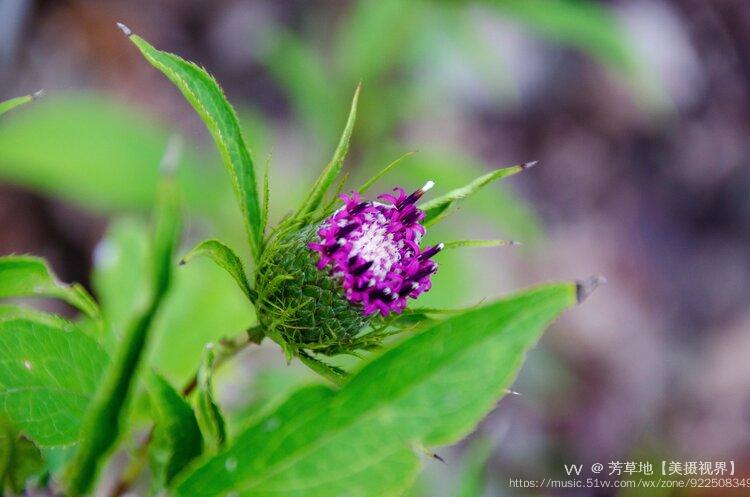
<point>210,418</point>
<point>225,258</point>
<point>26,276</point>
<point>314,92</point>
<point>96,153</point>
<point>102,422</point>
<point>120,265</point>
<point>11,104</point>
<point>333,169</point>
<point>47,378</point>
<point>203,306</point>
<point>374,37</point>
<point>208,100</point>
<point>20,459</point>
<point>177,438</point>
<point>430,389</point>
<point>367,184</point>
<point>473,475</point>
<point>437,208</point>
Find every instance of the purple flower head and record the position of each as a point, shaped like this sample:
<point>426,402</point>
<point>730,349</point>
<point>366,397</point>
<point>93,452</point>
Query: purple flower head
<point>373,249</point>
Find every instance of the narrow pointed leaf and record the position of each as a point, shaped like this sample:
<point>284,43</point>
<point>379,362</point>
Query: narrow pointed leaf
<point>225,258</point>
<point>101,425</point>
<point>27,276</point>
<point>210,418</point>
<point>429,390</point>
<point>331,373</point>
<point>11,104</point>
<point>208,100</point>
<point>436,208</point>
<point>332,170</point>
<point>367,184</point>
<point>47,379</point>
<point>476,244</point>
<point>177,438</point>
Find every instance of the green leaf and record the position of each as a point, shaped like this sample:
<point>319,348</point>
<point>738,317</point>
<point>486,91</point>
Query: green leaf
<point>20,459</point>
<point>11,312</point>
<point>26,276</point>
<point>208,100</point>
<point>429,390</point>
<point>477,244</point>
<point>102,422</point>
<point>120,266</point>
<point>334,374</point>
<point>367,184</point>
<point>333,169</point>
<point>437,208</point>
<point>94,152</point>
<point>301,71</point>
<point>225,258</point>
<point>210,418</point>
<point>15,102</point>
<point>474,472</point>
<point>177,438</point>
<point>47,378</point>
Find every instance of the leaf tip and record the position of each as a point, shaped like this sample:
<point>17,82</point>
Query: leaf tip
<point>126,30</point>
<point>586,287</point>
<point>171,156</point>
<point>529,165</point>
<point>182,262</point>
<point>38,94</point>
<point>514,243</point>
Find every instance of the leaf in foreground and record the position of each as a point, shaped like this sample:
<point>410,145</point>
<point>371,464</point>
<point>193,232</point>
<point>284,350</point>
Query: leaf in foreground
<point>177,438</point>
<point>47,378</point>
<point>429,390</point>
<point>101,424</point>
<point>26,276</point>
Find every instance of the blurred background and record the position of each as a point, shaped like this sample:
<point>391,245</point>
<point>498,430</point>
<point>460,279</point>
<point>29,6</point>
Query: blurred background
<point>638,111</point>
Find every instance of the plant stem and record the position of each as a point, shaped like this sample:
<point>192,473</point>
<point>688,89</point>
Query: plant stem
<point>229,348</point>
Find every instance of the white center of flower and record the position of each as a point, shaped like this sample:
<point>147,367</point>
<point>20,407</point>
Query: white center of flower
<point>375,244</point>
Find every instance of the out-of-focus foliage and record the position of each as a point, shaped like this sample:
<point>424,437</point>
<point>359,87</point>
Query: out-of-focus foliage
<point>96,153</point>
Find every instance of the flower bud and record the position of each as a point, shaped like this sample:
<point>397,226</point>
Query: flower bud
<point>320,286</point>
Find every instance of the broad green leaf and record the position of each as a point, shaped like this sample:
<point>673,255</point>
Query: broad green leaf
<point>177,438</point>
<point>477,244</point>
<point>208,100</point>
<point>102,422</point>
<point>94,152</point>
<point>431,389</point>
<point>474,473</point>
<point>435,209</point>
<point>225,258</point>
<point>26,276</point>
<point>20,459</point>
<point>47,379</point>
<point>210,418</point>
<point>333,169</point>
<point>11,104</point>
